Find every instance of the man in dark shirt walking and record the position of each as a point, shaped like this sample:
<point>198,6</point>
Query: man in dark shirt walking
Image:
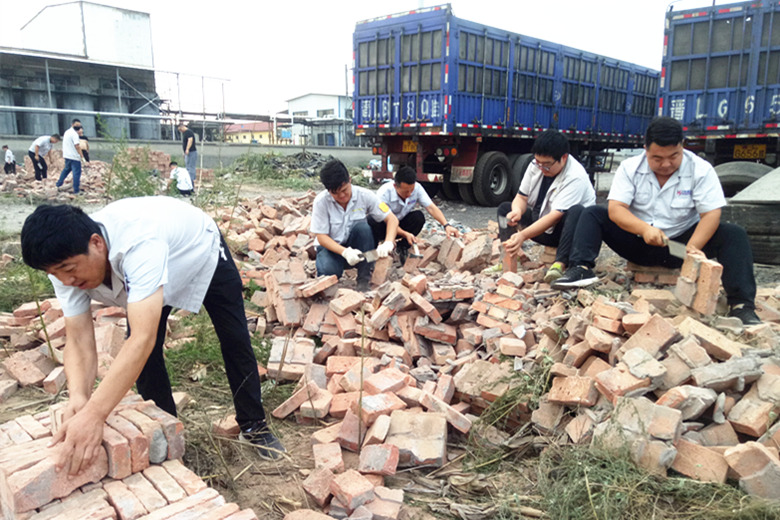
<point>190,150</point>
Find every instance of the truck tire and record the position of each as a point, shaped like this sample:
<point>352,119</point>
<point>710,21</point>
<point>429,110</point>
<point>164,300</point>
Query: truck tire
<point>737,175</point>
<point>757,219</point>
<point>467,194</point>
<point>491,182</point>
<point>766,249</point>
<point>450,189</point>
<point>519,166</point>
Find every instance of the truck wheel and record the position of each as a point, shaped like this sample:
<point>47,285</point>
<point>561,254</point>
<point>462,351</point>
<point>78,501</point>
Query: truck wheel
<point>757,219</point>
<point>450,189</point>
<point>738,175</point>
<point>467,194</point>
<point>518,170</point>
<point>491,179</point>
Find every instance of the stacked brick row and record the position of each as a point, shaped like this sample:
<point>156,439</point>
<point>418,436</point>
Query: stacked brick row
<point>137,474</point>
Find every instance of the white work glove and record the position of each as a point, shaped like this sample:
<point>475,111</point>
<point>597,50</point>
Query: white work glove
<point>352,256</point>
<point>384,249</point>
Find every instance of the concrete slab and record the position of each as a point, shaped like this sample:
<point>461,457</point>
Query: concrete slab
<point>765,190</point>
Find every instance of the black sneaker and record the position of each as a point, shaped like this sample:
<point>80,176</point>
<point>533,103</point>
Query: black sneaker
<point>746,315</point>
<point>362,285</point>
<point>403,254</point>
<point>268,446</point>
<point>577,276</point>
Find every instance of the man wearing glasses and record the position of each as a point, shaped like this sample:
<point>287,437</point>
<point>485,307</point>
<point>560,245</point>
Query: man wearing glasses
<point>552,194</point>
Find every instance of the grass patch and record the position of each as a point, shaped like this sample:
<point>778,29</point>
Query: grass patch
<point>20,284</point>
<point>587,482</point>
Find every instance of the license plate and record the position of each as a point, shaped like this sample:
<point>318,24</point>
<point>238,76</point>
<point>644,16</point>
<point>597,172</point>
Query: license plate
<point>749,151</point>
<point>409,147</point>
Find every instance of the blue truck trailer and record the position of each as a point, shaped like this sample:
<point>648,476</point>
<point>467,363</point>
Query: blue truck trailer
<point>721,78</point>
<point>462,102</point>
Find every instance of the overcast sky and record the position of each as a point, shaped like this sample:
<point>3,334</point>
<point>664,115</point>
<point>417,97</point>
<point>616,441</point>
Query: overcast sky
<point>272,51</point>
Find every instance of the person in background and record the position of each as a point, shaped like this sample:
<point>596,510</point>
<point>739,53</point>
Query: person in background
<point>403,196</point>
<point>10,161</point>
<point>72,153</point>
<point>182,178</point>
<point>40,149</point>
<point>190,150</point>
<point>84,144</point>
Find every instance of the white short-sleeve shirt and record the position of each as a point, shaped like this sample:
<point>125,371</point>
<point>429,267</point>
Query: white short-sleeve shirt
<point>571,187</point>
<point>693,189</point>
<point>152,242</point>
<point>43,143</point>
<point>399,207</point>
<point>182,176</point>
<point>9,156</point>
<point>329,218</point>
<point>69,141</point>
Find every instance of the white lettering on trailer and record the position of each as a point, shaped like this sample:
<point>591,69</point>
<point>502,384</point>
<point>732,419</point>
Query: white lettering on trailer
<point>750,104</point>
<point>699,113</point>
<point>410,109</point>
<point>365,109</point>
<point>774,106</point>
<point>424,108</point>
<point>385,110</point>
<point>723,107</point>
<point>396,107</point>
<point>677,109</point>
<point>435,108</point>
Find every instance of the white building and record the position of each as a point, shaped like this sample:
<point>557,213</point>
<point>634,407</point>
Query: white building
<point>326,120</point>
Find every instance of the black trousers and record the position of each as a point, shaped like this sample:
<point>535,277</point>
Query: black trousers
<point>10,168</point>
<point>224,302</point>
<point>561,237</point>
<point>412,223</point>
<point>40,169</point>
<point>729,245</point>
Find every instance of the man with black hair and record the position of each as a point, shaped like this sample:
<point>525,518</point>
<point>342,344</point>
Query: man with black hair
<point>72,153</point>
<point>339,220</point>
<point>402,196</point>
<point>665,193</point>
<point>10,160</point>
<point>182,178</point>
<point>38,151</point>
<point>190,150</point>
<point>146,254</point>
<point>554,190</point>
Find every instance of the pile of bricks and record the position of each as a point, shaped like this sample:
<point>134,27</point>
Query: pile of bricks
<point>137,474</point>
<point>36,342</point>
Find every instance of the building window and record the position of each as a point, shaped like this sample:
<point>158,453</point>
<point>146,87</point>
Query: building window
<point>325,112</point>
<point>302,113</point>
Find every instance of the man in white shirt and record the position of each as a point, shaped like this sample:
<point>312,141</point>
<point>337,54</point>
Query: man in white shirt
<point>403,196</point>
<point>339,222</point>
<point>38,151</point>
<point>146,254</point>
<point>72,153</point>
<point>665,193</point>
<point>10,161</point>
<point>182,178</point>
<point>554,190</point>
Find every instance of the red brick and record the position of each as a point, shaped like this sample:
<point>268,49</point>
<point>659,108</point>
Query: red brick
<point>352,489</point>
<point>346,301</point>
<point>699,462</point>
<point>296,400</point>
<point>378,431</point>
<point>207,496</point>
<point>54,382</point>
<point>381,269</point>
<point>512,346</point>
<point>458,421</point>
<point>426,307</point>
<point>314,318</point>
<point>573,391</point>
<point>608,325</point>
<point>29,368</point>
<point>318,406</point>
<point>118,451</point>
<point>226,427</point>
<point>172,428</point>
<point>317,484</point>
<point>381,459</point>
<point>634,321</point>
<point>716,344</point>
<point>387,380</point>
<point>328,456</point>
<point>617,382</point>
<point>145,491</point>
<point>326,435</point>
<point>441,332</point>
<point>139,443</point>
<point>306,514</point>
<point>164,483</point>
<point>653,337</point>
<point>317,285</point>
<point>445,388</point>
<point>380,317</point>
<point>416,283</point>
<point>577,354</point>
<point>186,478</point>
<point>707,287</point>
<point>372,406</point>
<point>749,458</point>
<point>598,339</point>
<point>158,445</point>
<point>127,505</point>
<point>351,432</point>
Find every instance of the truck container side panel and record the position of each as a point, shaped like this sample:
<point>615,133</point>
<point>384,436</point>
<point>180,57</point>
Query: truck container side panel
<point>722,67</point>
<point>428,72</point>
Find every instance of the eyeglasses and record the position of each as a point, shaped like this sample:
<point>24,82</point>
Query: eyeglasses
<point>545,166</point>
